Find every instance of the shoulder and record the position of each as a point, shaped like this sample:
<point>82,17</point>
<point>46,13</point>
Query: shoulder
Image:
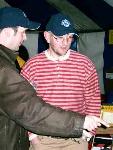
<point>80,57</point>
<point>6,64</point>
<point>37,58</point>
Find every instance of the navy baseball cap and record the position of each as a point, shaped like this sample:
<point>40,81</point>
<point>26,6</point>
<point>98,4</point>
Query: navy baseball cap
<point>60,25</point>
<point>13,17</point>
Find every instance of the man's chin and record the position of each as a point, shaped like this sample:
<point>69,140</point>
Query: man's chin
<point>63,53</point>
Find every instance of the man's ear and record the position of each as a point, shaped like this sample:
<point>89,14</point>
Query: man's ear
<point>47,36</point>
<point>8,31</point>
<point>5,35</point>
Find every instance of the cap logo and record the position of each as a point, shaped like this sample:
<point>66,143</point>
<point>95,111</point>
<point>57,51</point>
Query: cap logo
<point>24,14</point>
<point>65,23</point>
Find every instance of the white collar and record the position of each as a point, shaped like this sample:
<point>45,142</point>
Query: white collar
<point>64,57</point>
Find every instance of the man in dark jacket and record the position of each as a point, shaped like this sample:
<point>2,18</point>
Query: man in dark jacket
<point>20,108</point>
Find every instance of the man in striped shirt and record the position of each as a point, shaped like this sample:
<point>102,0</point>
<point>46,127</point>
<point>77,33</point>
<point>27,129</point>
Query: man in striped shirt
<point>64,78</point>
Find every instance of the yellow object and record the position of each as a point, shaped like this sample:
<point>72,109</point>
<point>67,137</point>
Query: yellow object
<point>21,62</point>
<point>107,108</point>
<point>107,113</point>
<point>110,36</point>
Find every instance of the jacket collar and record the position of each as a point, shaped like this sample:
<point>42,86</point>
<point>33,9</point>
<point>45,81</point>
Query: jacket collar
<point>7,54</point>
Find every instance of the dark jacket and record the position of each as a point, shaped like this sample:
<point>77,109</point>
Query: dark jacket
<point>21,109</point>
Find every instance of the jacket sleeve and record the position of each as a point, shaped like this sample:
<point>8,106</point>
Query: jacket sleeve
<point>19,102</point>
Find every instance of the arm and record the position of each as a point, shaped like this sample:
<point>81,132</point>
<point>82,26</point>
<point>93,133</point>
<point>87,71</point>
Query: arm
<point>20,103</point>
<point>92,92</point>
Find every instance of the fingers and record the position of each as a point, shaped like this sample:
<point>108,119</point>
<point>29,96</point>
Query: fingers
<point>92,122</point>
<point>102,122</point>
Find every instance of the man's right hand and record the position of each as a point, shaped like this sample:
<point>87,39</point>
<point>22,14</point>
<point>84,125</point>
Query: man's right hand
<point>93,122</point>
<point>90,124</point>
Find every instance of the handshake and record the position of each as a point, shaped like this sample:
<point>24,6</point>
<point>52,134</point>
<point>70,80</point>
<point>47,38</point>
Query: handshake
<point>90,124</point>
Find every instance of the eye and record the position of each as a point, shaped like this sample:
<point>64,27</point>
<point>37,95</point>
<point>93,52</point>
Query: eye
<point>70,37</point>
<point>55,37</point>
<point>59,38</point>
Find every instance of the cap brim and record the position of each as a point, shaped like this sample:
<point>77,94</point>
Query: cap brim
<point>63,32</point>
<point>33,25</point>
<point>76,34</point>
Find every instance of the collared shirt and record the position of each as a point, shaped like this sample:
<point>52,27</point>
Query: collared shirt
<point>70,83</point>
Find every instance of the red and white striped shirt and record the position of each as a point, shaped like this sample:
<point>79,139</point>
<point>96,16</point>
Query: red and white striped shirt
<point>70,83</point>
